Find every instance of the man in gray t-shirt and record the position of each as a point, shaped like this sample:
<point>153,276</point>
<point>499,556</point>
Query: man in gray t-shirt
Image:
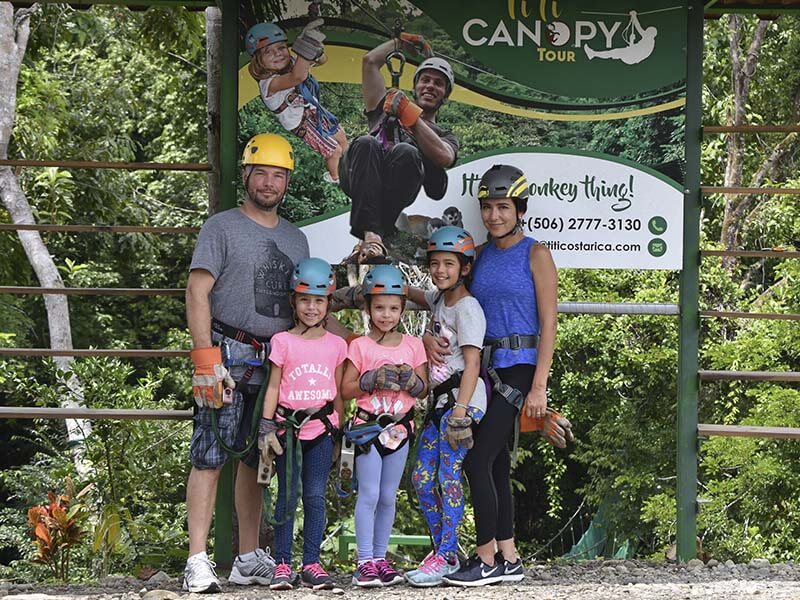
<point>237,297</point>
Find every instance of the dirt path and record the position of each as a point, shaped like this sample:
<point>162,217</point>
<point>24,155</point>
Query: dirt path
<point>595,580</point>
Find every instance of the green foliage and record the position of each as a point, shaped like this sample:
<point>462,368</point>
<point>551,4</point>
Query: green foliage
<point>110,84</point>
<point>138,470</point>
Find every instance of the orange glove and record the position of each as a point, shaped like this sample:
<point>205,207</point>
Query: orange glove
<point>415,45</point>
<point>398,105</point>
<point>553,427</point>
<point>210,377</point>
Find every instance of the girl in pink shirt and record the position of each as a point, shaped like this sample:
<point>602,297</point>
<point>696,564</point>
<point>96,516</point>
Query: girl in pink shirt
<point>386,372</point>
<point>303,401</point>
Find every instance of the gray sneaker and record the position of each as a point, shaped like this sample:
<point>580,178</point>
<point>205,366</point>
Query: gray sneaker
<point>199,576</point>
<point>257,571</point>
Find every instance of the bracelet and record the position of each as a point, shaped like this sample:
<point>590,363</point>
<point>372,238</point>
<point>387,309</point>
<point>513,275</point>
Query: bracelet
<point>464,406</point>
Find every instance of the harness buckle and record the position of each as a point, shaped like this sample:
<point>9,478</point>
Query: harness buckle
<point>514,341</point>
<point>262,352</point>
<point>385,420</point>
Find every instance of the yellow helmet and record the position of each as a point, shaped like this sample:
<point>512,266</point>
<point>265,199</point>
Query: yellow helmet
<point>269,149</point>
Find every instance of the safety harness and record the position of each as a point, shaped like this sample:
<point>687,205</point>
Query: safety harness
<point>261,347</point>
<point>293,421</point>
<point>309,90</point>
<point>446,387</point>
<point>362,435</point>
<point>510,394</point>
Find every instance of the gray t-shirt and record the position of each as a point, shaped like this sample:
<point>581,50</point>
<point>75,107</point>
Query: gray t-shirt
<point>251,265</point>
<point>462,324</point>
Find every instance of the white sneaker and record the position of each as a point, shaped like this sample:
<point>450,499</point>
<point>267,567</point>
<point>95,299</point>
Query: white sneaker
<point>327,177</point>
<point>199,576</point>
<point>256,571</point>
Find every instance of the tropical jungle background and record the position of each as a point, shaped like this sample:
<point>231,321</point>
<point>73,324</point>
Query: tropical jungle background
<point>111,84</point>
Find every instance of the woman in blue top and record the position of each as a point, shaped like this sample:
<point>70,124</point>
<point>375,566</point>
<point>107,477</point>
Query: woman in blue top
<point>516,283</point>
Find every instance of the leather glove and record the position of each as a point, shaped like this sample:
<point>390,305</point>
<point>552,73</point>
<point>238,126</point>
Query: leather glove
<point>409,380</point>
<point>556,429</point>
<point>459,432</point>
<point>415,45</point>
<point>308,43</point>
<point>268,436</point>
<point>270,447</point>
<point>347,297</point>
<point>398,105</point>
<point>210,377</point>
<point>385,377</point>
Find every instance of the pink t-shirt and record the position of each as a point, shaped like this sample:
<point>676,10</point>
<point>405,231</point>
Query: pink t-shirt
<point>366,354</point>
<point>308,375</point>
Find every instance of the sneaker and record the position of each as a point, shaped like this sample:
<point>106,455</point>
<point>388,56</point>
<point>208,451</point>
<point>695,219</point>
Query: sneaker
<point>512,571</point>
<point>388,574</point>
<point>475,573</point>
<point>199,576</point>
<point>328,178</point>
<point>430,556</point>
<point>283,578</point>
<point>431,572</point>
<point>258,570</point>
<point>366,575</point>
<point>315,577</point>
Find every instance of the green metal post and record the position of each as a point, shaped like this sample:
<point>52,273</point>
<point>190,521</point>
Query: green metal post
<point>229,120</point>
<point>689,293</point>
<point>229,104</point>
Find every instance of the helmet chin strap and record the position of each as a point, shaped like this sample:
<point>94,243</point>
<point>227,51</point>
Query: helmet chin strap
<point>320,323</point>
<point>517,227</point>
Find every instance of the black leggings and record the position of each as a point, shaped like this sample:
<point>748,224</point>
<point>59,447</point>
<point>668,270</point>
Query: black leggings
<point>488,464</point>
<point>380,183</point>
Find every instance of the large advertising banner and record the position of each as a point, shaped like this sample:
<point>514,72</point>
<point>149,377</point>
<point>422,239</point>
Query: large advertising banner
<point>586,98</point>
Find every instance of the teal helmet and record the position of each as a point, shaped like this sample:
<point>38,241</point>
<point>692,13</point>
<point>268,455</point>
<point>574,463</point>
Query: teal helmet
<point>263,34</point>
<point>452,239</point>
<point>313,276</point>
<point>384,280</point>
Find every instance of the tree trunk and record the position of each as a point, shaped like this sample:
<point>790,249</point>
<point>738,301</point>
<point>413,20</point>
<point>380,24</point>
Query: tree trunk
<point>14,30</point>
<point>743,67</point>
<point>213,53</point>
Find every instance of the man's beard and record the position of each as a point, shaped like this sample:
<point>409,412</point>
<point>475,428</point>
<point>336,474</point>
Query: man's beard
<point>267,205</point>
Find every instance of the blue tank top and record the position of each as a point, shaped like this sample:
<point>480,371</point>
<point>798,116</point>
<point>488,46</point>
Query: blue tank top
<point>503,284</point>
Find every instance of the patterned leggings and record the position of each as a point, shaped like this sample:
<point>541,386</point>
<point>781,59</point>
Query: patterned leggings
<point>437,480</point>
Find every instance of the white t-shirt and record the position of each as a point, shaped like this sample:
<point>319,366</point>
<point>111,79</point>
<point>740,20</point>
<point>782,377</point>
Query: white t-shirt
<point>290,117</point>
<point>462,324</point>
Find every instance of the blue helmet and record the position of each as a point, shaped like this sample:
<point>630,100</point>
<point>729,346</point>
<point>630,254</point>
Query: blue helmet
<point>386,280</point>
<point>313,276</point>
<point>452,239</point>
<point>263,34</point>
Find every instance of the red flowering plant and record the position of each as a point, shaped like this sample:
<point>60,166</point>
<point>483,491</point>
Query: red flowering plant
<point>57,527</point>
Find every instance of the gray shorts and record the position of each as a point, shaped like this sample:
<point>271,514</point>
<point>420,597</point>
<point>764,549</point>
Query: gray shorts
<point>234,422</point>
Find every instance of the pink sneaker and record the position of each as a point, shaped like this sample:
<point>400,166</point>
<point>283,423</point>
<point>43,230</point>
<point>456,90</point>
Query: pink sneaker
<point>315,577</point>
<point>388,574</point>
<point>366,575</point>
<point>283,578</point>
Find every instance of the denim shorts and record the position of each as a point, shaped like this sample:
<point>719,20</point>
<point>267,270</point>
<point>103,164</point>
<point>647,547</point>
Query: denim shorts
<point>234,422</point>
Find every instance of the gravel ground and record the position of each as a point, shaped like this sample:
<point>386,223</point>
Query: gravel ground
<point>593,580</point>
